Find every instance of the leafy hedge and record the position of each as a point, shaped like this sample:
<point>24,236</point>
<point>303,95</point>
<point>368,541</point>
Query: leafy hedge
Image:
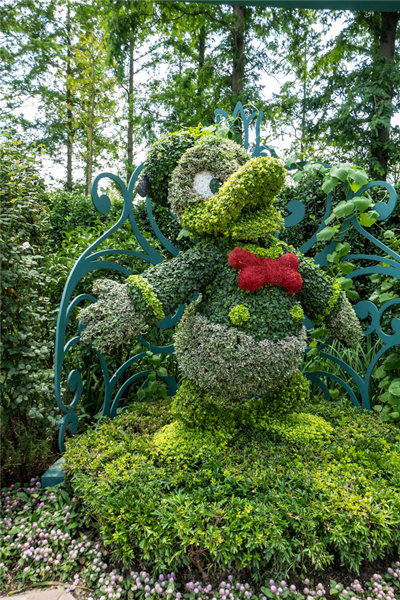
<point>27,414</point>
<point>69,211</point>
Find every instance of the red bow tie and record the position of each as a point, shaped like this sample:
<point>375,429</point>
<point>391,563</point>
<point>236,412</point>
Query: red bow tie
<point>255,272</point>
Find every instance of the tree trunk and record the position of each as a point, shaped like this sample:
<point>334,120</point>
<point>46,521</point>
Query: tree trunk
<point>304,98</point>
<point>238,44</point>
<point>89,164</point>
<point>69,102</point>
<point>201,59</point>
<point>238,63</point>
<point>130,110</point>
<point>380,135</point>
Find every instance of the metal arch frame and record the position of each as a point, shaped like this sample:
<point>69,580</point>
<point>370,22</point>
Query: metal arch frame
<point>94,259</point>
<point>370,5</point>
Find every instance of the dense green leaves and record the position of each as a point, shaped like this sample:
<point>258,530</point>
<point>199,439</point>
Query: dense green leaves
<point>27,414</point>
<point>357,92</point>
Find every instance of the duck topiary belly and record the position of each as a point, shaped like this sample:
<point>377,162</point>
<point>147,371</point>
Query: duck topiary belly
<point>229,362</point>
<point>269,308</point>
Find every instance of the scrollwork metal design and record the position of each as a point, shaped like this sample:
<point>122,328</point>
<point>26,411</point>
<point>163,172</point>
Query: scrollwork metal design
<point>94,259</point>
<point>247,122</point>
<point>387,264</point>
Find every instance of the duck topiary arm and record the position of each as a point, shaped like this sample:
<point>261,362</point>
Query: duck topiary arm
<point>323,301</point>
<point>111,320</point>
<point>125,310</point>
<point>174,281</point>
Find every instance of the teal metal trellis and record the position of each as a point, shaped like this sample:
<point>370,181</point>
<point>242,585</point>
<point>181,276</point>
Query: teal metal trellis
<point>377,6</point>
<point>94,258</point>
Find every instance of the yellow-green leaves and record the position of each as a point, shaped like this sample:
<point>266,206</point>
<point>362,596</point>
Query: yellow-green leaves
<point>239,314</point>
<point>218,158</point>
<point>368,219</point>
<point>297,313</point>
<point>149,297</point>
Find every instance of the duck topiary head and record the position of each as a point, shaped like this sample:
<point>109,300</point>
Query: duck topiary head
<point>217,190</point>
<point>162,160</point>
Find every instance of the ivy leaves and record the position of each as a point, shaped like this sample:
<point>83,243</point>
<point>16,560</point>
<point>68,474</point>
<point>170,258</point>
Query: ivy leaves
<point>356,177</point>
<point>352,178</point>
<point>345,211</point>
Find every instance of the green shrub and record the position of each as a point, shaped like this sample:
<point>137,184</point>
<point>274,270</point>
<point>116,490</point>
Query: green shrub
<point>27,413</point>
<point>255,504</point>
<point>69,211</point>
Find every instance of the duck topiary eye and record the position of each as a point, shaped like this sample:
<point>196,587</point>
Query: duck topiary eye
<point>205,184</point>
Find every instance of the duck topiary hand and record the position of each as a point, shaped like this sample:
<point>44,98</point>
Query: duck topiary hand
<point>111,320</point>
<point>344,324</point>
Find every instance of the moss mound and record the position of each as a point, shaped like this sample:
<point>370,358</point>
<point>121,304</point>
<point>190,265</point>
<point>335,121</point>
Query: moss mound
<point>245,500</point>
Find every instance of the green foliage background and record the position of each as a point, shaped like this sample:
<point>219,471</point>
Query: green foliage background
<point>57,227</point>
<point>165,65</point>
<point>27,414</point>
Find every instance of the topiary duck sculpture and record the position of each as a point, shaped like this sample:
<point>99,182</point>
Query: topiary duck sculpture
<point>240,344</point>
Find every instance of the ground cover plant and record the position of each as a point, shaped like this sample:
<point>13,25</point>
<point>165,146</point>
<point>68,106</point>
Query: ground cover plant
<point>45,538</point>
<point>283,506</point>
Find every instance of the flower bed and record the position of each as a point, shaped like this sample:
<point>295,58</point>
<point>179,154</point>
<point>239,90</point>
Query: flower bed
<point>45,539</point>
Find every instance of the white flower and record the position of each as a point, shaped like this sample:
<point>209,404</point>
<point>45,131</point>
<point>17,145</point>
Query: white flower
<point>26,245</point>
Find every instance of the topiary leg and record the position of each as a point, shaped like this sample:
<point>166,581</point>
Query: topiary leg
<point>195,407</point>
<point>291,394</point>
<point>203,426</point>
<point>275,414</point>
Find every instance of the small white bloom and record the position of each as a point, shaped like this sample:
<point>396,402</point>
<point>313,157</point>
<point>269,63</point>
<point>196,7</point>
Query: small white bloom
<point>26,245</point>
